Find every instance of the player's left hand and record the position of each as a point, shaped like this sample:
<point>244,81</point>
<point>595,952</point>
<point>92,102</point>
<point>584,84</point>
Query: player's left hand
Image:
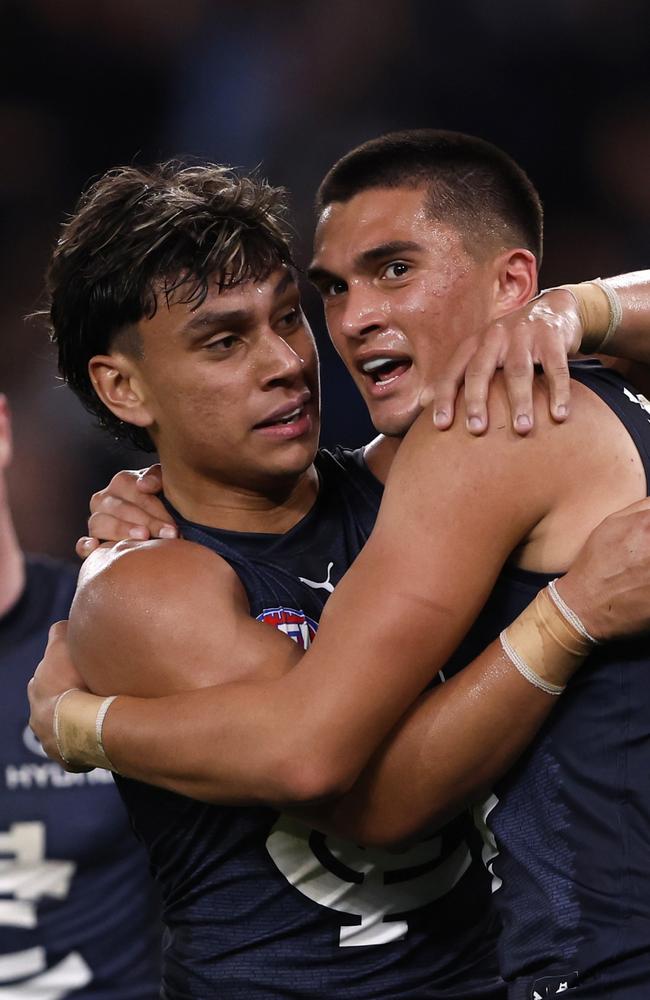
<point>545,331</point>
<point>55,674</point>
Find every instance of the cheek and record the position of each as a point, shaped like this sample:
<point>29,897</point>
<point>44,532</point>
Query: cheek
<point>201,411</point>
<point>333,317</point>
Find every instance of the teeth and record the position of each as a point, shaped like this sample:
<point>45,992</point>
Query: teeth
<point>370,366</point>
<point>291,416</point>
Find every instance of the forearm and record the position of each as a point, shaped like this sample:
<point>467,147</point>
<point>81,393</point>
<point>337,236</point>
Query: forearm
<point>448,749</point>
<point>453,743</point>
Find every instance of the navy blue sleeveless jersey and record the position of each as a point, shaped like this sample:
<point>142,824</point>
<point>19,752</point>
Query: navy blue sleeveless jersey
<point>568,829</point>
<point>257,905</point>
<point>78,910</point>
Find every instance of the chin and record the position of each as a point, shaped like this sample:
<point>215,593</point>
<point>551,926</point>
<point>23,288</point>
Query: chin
<point>395,422</point>
<point>296,461</point>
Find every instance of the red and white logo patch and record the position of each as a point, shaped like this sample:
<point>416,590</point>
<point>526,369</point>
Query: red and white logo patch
<point>293,623</point>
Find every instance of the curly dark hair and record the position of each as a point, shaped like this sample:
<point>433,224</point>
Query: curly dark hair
<point>139,233</point>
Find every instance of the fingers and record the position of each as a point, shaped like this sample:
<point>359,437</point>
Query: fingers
<point>480,372</point>
<point>128,508</point>
<point>444,389</point>
<point>150,480</point>
<point>519,373</point>
<point>85,546</point>
<point>58,630</point>
<point>133,485</point>
<point>556,369</point>
<point>443,395</point>
<point>119,519</point>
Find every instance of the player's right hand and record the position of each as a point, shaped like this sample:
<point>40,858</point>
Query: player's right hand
<point>127,508</point>
<point>608,585</point>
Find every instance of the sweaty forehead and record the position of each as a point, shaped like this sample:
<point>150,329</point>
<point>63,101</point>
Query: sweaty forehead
<point>375,217</point>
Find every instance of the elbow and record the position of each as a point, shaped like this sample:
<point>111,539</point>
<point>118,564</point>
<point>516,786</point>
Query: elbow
<point>303,778</point>
<point>396,828</point>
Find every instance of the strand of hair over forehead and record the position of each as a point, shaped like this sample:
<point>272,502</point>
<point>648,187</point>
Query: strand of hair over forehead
<point>202,220</point>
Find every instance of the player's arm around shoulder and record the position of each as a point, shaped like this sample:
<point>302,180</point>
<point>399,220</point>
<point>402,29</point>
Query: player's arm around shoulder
<point>462,502</point>
<point>455,507</point>
<point>162,616</point>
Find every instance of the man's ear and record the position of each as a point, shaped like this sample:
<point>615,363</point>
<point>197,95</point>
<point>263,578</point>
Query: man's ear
<point>5,432</point>
<point>116,381</point>
<point>516,280</point>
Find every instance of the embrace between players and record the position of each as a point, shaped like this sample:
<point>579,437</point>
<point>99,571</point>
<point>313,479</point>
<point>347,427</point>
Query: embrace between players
<point>252,765</point>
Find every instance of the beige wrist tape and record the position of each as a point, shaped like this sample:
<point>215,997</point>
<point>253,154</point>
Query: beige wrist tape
<point>544,645</point>
<point>600,311</point>
<point>78,722</point>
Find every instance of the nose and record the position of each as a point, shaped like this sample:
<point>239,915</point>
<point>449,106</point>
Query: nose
<point>363,312</point>
<point>278,362</point>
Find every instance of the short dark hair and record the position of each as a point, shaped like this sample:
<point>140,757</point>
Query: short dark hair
<point>471,184</point>
<point>139,233</point>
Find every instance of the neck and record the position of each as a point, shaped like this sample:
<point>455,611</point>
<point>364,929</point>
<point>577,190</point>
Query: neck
<point>379,455</point>
<point>273,508</point>
<point>12,564</point>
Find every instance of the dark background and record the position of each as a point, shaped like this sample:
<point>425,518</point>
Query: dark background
<point>563,85</point>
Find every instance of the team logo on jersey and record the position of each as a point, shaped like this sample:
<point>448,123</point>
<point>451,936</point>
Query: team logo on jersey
<point>293,623</point>
<point>325,584</point>
<point>377,888</point>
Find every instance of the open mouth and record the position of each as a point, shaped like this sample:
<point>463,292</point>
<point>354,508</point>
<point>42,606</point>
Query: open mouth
<point>285,423</point>
<point>289,418</point>
<point>384,370</point>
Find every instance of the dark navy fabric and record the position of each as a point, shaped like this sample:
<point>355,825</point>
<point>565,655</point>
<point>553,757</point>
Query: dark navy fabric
<point>258,905</point>
<point>79,913</point>
<point>571,821</point>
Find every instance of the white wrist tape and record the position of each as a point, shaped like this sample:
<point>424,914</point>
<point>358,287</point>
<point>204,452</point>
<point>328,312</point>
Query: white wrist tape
<point>568,614</point>
<point>616,310</point>
<point>525,670</point>
<point>78,728</point>
<point>56,723</point>
<point>99,726</point>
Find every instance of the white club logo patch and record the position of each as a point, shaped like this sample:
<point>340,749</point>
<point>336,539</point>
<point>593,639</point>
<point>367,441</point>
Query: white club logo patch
<point>377,887</point>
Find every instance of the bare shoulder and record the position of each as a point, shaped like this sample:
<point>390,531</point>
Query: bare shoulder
<point>148,615</point>
<point>456,482</point>
<point>457,466</point>
<point>155,567</point>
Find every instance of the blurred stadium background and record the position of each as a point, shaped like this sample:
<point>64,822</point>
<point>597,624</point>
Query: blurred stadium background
<point>563,85</point>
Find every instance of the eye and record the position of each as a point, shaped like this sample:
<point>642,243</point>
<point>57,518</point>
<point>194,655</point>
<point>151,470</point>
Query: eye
<point>223,344</point>
<point>291,319</point>
<point>396,269</point>
<point>333,288</point>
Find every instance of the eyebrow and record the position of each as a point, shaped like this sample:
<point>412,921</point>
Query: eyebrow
<point>319,275</point>
<point>217,320</point>
<point>229,319</point>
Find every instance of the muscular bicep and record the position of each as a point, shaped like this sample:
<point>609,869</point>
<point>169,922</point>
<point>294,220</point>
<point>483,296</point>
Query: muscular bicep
<point>160,617</point>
